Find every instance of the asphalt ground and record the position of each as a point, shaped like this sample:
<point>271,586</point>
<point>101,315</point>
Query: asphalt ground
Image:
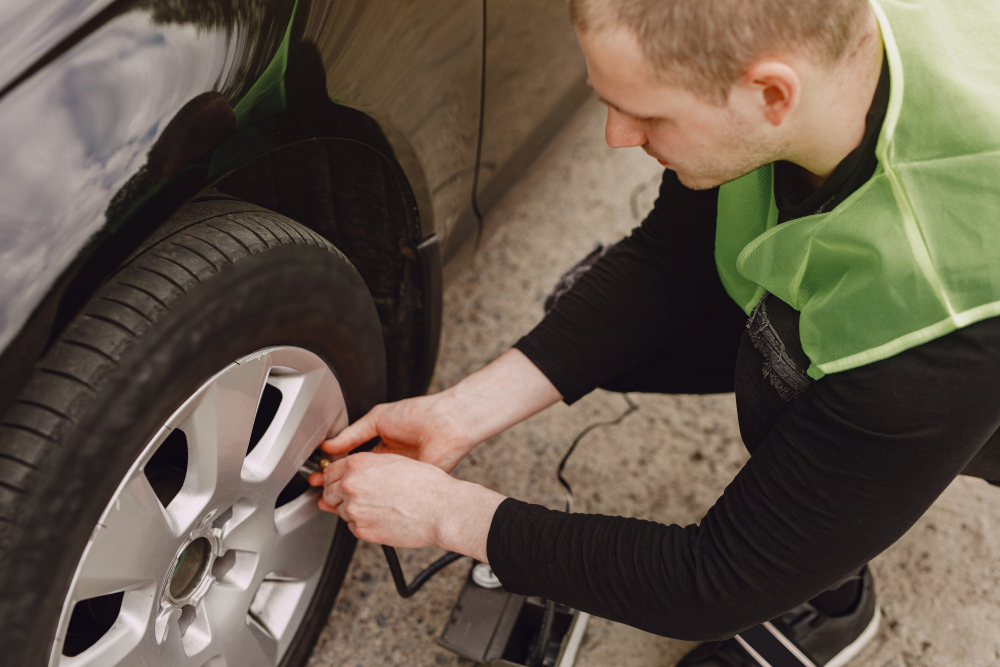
<point>938,587</point>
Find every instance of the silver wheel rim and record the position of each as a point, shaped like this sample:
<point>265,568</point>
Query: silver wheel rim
<point>218,577</point>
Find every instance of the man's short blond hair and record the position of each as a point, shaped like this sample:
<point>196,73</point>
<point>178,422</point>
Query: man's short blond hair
<point>707,45</point>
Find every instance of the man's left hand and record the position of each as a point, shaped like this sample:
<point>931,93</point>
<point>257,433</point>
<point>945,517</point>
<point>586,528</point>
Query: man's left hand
<point>396,501</point>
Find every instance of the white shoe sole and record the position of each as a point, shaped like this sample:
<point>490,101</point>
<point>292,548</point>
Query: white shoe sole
<point>852,649</point>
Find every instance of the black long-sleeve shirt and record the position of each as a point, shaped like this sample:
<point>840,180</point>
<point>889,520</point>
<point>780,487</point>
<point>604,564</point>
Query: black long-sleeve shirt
<point>837,474</point>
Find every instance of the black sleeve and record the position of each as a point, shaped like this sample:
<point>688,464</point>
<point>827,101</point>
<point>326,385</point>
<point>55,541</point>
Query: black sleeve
<point>621,310</point>
<point>850,466</point>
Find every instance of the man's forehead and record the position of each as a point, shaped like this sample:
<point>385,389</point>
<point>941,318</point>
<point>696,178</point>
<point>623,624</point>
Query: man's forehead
<point>622,78</point>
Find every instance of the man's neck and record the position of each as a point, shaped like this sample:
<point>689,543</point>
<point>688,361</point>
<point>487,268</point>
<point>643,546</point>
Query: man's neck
<point>835,125</point>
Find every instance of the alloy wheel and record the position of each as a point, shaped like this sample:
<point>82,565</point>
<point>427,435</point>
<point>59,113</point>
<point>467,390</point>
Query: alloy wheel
<point>212,546</point>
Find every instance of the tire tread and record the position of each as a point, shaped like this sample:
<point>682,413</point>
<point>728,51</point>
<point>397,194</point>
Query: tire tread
<point>125,304</point>
<point>68,376</point>
<point>11,458</point>
<point>129,279</point>
<point>194,240</point>
<point>91,348</point>
<point>28,429</point>
<point>242,242</point>
<point>160,274</point>
<point>244,225</point>
<point>185,269</point>
<point>42,406</point>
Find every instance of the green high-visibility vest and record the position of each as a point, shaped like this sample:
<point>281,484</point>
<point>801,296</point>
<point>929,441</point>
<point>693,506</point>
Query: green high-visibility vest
<point>914,253</point>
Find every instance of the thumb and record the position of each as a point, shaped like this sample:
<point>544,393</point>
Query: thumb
<point>354,435</point>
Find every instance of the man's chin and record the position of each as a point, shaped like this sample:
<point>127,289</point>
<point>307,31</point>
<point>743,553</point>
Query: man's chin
<point>697,182</point>
<point>709,181</point>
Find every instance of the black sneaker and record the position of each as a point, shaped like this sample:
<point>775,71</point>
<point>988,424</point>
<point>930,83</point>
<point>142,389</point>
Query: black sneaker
<point>803,637</point>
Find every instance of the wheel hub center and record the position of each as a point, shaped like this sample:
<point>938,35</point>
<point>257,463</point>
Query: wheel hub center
<point>190,568</point>
<point>191,574</point>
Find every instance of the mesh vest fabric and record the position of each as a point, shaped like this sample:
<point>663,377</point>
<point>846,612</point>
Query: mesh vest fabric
<point>914,253</point>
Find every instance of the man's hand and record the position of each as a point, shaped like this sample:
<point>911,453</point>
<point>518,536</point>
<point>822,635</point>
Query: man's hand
<point>442,428</point>
<point>395,501</point>
<point>420,428</point>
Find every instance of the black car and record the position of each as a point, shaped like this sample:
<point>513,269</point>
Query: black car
<point>224,230</point>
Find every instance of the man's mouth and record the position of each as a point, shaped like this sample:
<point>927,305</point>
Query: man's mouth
<point>663,163</point>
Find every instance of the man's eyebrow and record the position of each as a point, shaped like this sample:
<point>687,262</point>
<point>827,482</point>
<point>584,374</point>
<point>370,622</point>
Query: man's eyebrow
<point>613,106</point>
<point>619,109</point>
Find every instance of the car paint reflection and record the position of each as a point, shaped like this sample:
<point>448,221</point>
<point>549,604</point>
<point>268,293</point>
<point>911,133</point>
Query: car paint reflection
<point>29,28</point>
<point>100,107</point>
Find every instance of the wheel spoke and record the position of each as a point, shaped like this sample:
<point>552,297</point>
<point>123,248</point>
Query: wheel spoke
<point>226,606</point>
<point>251,528</point>
<point>132,545</point>
<point>218,433</point>
<point>168,648</point>
<point>250,646</point>
<point>304,534</point>
<point>304,418</point>
<point>131,642</point>
<point>117,647</point>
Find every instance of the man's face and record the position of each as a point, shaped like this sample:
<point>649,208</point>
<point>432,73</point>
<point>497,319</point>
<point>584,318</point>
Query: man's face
<point>705,144</point>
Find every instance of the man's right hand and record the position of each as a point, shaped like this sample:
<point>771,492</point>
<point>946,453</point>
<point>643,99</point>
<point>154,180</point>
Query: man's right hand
<point>442,428</point>
<point>419,428</point>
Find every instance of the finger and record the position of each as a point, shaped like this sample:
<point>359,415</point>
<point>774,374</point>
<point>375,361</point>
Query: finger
<point>316,479</point>
<point>326,507</point>
<point>356,434</point>
<point>334,472</point>
<point>342,513</point>
<point>332,495</point>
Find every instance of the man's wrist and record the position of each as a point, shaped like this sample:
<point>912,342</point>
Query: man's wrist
<point>466,515</point>
<point>505,392</point>
<point>468,411</point>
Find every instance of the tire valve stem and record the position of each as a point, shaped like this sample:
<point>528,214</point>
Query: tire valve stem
<point>317,462</point>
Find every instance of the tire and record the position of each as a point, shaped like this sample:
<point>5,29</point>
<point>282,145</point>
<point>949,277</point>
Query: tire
<point>225,281</point>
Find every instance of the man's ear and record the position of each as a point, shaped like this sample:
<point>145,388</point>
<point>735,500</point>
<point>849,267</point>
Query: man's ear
<point>775,87</point>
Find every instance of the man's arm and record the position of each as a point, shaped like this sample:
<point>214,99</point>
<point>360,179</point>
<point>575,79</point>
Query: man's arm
<point>648,286</point>
<point>852,464</point>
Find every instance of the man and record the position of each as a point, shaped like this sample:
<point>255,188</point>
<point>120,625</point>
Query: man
<point>831,169</point>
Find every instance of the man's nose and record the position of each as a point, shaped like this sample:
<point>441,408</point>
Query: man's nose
<point>623,131</point>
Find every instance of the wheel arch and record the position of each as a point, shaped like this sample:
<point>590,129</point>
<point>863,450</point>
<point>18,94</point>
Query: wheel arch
<point>345,188</point>
<point>359,199</point>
